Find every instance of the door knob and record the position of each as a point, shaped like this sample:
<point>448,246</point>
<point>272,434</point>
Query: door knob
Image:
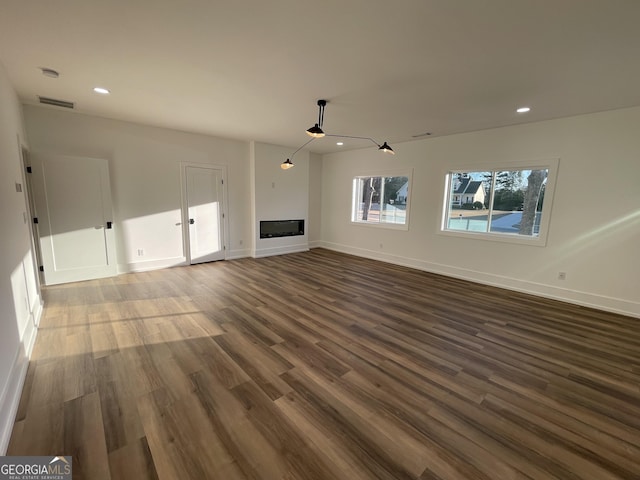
<point>191,221</point>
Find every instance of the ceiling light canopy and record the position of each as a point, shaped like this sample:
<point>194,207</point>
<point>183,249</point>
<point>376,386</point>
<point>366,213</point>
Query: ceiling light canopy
<point>317,132</point>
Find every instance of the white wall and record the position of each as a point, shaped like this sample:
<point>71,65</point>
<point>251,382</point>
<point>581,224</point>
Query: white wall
<point>315,200</point>
<point>20,303</point>
<point>145,179</point>
<point>279,195</point>
<point>594,235</point>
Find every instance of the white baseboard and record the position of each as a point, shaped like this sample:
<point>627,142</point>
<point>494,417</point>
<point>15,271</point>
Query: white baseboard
<point>148,265</point>
<point>234,254</point>
<point>10,396</point>
<point>172,262</point>
<point>600,302</point>
<point>268,252</point>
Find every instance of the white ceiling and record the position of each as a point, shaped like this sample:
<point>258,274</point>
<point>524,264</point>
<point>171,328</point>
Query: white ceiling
<point>390,70</point>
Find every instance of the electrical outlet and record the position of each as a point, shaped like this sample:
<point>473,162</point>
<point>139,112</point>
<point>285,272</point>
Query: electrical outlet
<point>240,242</point>
<point>141,252</point>
<point>562,275</point>
<point>382,245</point>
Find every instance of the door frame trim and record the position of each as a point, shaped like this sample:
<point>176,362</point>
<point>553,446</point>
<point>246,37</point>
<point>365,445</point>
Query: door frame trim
<point>30,206</point>
<point>186,247</point>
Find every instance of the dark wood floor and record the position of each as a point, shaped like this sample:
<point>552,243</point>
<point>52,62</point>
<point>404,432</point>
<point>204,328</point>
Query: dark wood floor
<point>320,365</point>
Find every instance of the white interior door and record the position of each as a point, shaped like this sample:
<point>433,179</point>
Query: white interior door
<point>73,199</point>
<point>205,214</point>
<point>33,283</point>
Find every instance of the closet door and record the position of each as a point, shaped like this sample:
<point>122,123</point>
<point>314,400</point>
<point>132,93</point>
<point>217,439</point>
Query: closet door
<point>205,212</point>
<point>73,198</point>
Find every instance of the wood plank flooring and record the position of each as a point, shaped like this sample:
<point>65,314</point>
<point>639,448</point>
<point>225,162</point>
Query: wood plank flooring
<point>320,365</point>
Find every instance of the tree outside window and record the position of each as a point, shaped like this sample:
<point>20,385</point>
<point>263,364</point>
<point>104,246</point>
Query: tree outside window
<point>380,200</point>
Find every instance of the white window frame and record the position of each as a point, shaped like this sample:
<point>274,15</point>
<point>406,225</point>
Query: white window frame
<point>355,201</point>
<point>550,164</point>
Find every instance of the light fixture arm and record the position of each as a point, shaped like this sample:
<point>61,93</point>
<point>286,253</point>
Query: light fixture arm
<point>384,147</point>
<point>287,164</point>
<point>301,147</point>
<point>353,136</point>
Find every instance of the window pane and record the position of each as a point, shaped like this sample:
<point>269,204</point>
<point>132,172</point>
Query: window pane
<point>517,202</point>
<point>368,200</point>
<point>468,200</point>
<point>394,200</point>
<point>381,199</point>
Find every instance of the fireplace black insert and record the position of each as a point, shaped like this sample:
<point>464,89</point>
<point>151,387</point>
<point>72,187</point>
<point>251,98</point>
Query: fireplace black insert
<point>281,228</point>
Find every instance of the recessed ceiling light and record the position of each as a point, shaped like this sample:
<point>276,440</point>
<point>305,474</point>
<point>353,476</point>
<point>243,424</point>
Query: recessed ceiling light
<point>523,110</point>
<point>102,91</point>
<point>340,143</point>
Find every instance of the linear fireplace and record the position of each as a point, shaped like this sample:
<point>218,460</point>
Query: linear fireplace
<point>281,228</point>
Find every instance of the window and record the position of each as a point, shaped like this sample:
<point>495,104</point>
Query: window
<point>381,200</point>
<point>507,204</point>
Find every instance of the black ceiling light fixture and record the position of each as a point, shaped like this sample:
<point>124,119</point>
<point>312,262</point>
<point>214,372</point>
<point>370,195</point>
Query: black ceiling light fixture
<point>317,132</point>
<point>386,148</point>
<point>287,164</point>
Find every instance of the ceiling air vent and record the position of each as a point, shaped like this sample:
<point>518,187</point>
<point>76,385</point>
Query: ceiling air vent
<point>55,102</point>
